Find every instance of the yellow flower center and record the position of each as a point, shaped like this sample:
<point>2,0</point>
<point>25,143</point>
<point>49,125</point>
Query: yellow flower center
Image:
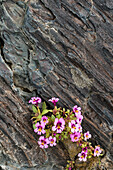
<point>58,127</point>
<point>75,138</point>
<point>39,129</point>
<point>42,143</point>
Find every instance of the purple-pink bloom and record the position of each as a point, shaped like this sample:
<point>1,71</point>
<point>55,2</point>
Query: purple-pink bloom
<point>52,141</point>
<point>39,128</point>
<point>58,125</point>
<point>97,151</point>
<point>87,135</point>
<point>76,110</point>
<point>35,100</point>
<point>73,126</point>
<point>79,118</point>
<point>82,156</point>
<point>85,150</point>
<point>54,100</point>
<point>44,119</point>
<point>43,142</point>
<point>75,136</point>
<point>79,128</point>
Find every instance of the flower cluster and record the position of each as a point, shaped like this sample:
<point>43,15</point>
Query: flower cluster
<point>44,142</point>
<point>60,124</point>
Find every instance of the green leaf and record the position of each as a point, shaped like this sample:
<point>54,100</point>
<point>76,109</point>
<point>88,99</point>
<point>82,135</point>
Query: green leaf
<point>57,136</point>
<point>34,127</point>
<point>52,118</point>
<point>68,128</point>
<point>44,106</point>
<point>50,110</point>
<point>45,111</point>
<point>83,146</point>
<point>62,138</point>
<point>34,109</point>
<point>65,133</point>
<point>71,116</point>
<point>89,156</point>
<point>65,136</point>
<point>74,118</point>
<point>68,111</point>
<point>58,116</point>
<point>57,113</point>
<point>101,154</point>
<point>39,117</point>
<point>64,109</point>
<point>99,162</point>
<point>47,133</point>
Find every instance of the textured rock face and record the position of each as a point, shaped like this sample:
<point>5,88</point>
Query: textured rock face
<point>60,48</point>
<point>18,144</point>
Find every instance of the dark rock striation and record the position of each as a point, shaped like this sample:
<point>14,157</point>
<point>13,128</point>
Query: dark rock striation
<point>61,48</point>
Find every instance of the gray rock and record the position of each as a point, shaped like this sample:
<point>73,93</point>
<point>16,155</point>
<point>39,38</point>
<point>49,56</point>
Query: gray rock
<point>63,49</point>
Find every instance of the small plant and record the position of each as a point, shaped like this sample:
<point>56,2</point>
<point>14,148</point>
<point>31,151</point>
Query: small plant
<point>60,124</point>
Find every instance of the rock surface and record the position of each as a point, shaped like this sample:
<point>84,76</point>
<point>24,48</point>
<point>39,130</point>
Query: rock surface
<point>18,144</point>
<point>59,48</point>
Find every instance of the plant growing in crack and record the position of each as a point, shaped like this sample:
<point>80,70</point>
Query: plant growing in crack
<point>53,125</point>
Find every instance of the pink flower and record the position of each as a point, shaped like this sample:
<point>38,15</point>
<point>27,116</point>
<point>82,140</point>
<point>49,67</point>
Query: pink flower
<point>52,141</point>
<point>79,128</point>
<point>75,136</point>
<point>43,142</point>
<point>87,135</point>
<point>82,156</point>
<point>76,110</point>
<point>73,126</point>
<point>35,100</point>
<point>39,128</point>
<point>58,125</point>
<point>44,120</point>
<point>97,151</point>
<point>79,118</point>
<point>85,150</point>
<point>54,100</point>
